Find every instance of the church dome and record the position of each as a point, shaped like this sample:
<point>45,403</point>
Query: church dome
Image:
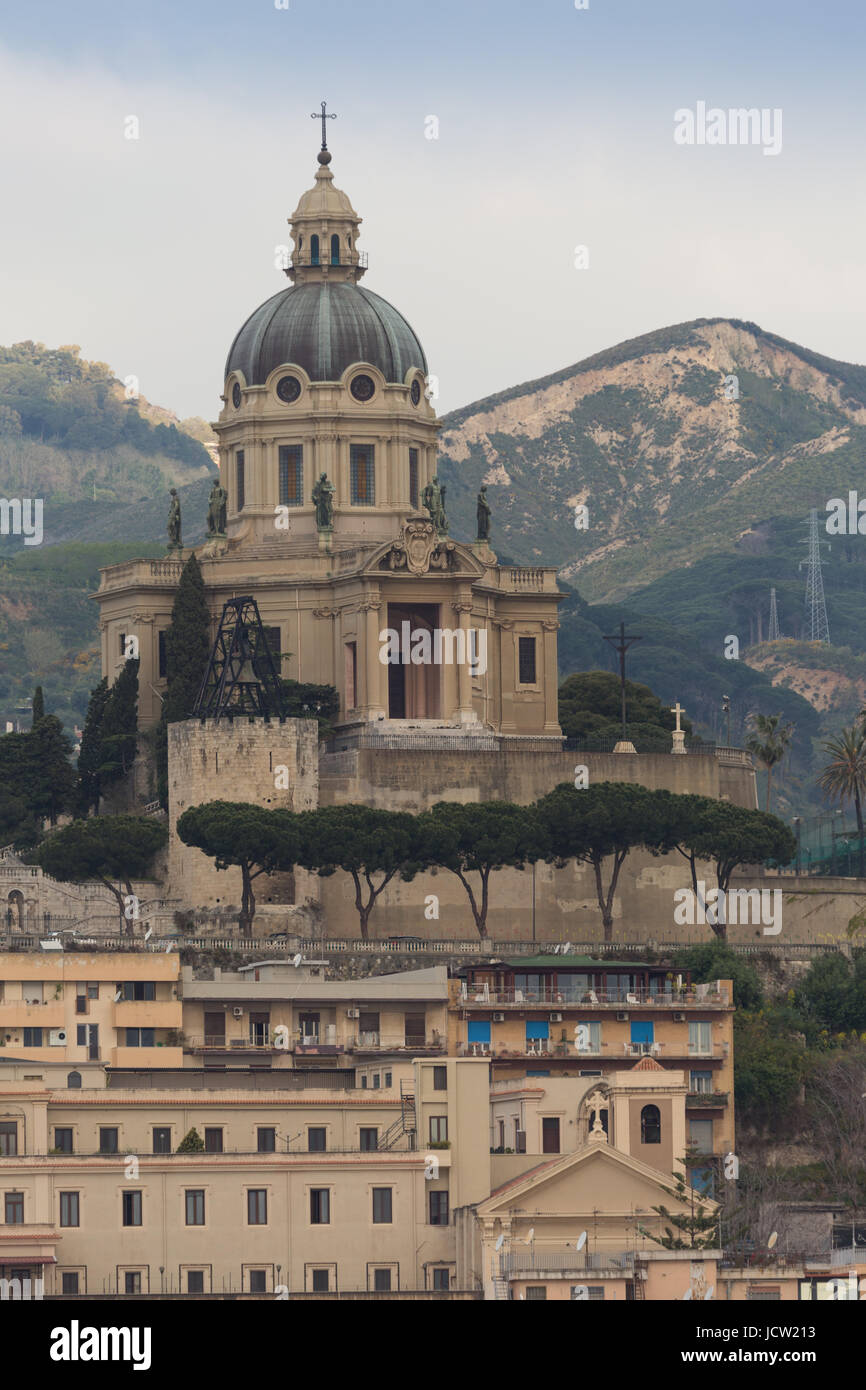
<point>325,327</point>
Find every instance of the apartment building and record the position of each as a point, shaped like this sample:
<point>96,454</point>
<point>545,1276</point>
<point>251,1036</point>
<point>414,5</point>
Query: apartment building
<point>113,1007</point>
<point>301,1190</point>
<point>558,1016</point>
<point>278,1014</point>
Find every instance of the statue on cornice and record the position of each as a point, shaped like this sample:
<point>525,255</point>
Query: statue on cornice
<point>174,540</point>
<point>482,513</point>
<point>323,500</point>
<point>216,510</point>
<point>433,498</point>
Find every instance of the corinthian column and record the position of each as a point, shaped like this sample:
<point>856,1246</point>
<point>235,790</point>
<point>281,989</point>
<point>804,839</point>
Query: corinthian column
<point>375,671</point>
<point>465,711</point>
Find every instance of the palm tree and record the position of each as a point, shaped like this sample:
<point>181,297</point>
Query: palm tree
<point>844,777</point>
<point>769,743</point>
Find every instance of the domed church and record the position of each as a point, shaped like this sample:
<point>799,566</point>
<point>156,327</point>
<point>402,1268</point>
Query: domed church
<point>328,511</point>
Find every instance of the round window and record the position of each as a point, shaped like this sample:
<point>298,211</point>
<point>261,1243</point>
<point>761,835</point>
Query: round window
<point>288,389</point>
<point>415,391</point>
<point>236,396</point>
<point>363,388</point>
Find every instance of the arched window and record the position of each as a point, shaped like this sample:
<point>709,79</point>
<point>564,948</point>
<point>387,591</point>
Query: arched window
<point>335,249</point>
<point>314,250</point>
<point>73,1081</point>
<point>650,1125</point>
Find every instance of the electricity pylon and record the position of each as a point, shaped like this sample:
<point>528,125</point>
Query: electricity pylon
<point>816,607</point>
<point>775,634</point>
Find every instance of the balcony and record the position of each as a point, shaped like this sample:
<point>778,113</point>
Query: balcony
<point>142,1057</point>
<point>395,1042</point>
<point>211,1042</point>
<point>707,1100</point>
<point>608,1051</point>
<point>148,1013</point>
<point>482,997</point>
<point>619,1264</point>
<point>17,1014</point>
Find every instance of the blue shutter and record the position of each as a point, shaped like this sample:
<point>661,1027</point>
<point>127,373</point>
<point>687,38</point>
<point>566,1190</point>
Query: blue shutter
<point>537,1030</point>
<point>479,1032</point>
<point>642,1032</point>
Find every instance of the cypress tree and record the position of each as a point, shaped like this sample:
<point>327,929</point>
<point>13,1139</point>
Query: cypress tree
<point>90,754</point>
<point>120,725</point>
<point>187,648</point>
<point>38,706</point>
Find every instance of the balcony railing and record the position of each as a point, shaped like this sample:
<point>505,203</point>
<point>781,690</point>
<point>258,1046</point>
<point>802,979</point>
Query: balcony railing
<point>362,1042</point>
<point>484,997</point>
<point>707,1100</point>
<point>607,1051</point>
<point>536,1261</point>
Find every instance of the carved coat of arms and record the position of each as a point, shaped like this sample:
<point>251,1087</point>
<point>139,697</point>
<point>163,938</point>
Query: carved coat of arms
<point>419,550</point>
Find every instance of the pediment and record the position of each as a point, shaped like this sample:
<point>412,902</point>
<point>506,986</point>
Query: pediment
<point>419,551</point>
<point>596,1177</point>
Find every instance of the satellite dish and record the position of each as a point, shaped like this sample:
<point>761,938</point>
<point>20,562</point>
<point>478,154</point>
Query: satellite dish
<point>168,947</point>
<point>772,1241</point>
<point>556,950</point>
<point>687,1295</point>
<point>709,1293</point>
<point>566,948</point>
<point>581,1240</point>
<point>117,995</point>
<point>531,1237</point>
<point>148,934</point>
<point>500,1241</point>
<point>296,960</point>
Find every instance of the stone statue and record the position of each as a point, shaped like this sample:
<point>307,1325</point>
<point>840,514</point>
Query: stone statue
<point>323,498</point>
<point>174,540</point>
<point>482,513</point>
<point>216,510</point>
<point>433,498</point>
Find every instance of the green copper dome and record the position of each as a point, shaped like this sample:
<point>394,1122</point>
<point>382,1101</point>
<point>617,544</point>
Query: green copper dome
<point>325,328</point>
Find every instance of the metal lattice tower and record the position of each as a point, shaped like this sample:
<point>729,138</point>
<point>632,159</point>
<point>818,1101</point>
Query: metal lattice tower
<point>241,677</point>
<point>775,634</point>
<point>816,607</point>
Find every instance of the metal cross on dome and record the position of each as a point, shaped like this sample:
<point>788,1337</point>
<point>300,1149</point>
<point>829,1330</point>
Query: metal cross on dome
<point>323,116</point>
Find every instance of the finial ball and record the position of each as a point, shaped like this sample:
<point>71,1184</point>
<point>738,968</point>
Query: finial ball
<point>324,156</point>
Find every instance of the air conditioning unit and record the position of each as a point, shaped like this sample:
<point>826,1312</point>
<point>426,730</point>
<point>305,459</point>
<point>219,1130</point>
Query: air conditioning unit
<point>57,1037</point>
<point>556,1018</point>
<point>499,1018</point>
<point>353,1013</point>
<point>237,1011</point>
<point>622,1016</point>
<point>679,1018</point>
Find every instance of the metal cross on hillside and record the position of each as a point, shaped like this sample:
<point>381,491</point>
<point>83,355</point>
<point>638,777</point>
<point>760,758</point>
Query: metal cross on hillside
<point>323,116</point>
<point>621,643</point>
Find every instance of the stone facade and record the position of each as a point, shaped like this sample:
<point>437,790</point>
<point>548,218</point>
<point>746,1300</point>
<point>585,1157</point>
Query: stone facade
<point>268,763</point>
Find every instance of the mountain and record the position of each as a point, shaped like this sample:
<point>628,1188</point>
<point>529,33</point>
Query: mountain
<point>672,472</point>
<point>70,431</point>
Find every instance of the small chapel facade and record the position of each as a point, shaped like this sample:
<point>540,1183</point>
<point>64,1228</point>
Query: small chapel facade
<point>328,511</point>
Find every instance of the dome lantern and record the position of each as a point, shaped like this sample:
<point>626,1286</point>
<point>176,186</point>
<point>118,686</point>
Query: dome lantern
<point>324,228</point>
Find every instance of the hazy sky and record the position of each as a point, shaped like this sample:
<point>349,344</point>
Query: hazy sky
<point>556,129</point>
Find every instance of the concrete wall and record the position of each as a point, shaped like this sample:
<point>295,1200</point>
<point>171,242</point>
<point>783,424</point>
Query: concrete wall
<point>411,779</point>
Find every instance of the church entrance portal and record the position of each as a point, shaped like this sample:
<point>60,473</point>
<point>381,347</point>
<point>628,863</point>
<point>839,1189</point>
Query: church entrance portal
<point>414,691</point>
